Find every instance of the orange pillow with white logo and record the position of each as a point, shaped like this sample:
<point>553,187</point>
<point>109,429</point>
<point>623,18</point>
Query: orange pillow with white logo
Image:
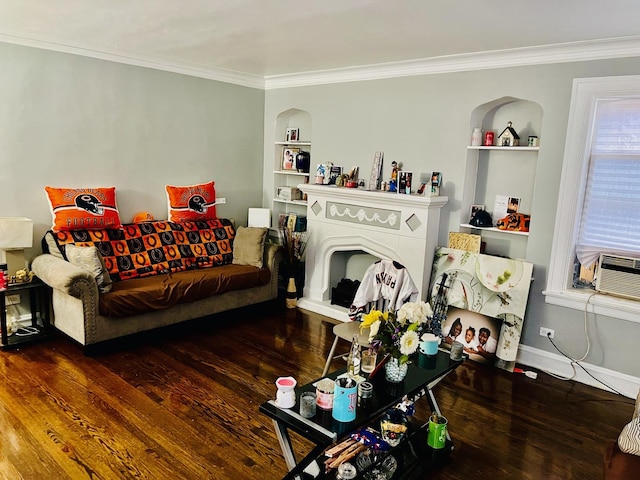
<point>83,208</point>
<point>191,203</point>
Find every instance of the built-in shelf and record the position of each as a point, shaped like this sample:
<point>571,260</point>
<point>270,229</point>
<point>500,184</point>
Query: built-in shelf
<point>494,229</point>
<point>291,172</point>
<point>294,144</point>
<point>291,202</point>
<point>520,149</point>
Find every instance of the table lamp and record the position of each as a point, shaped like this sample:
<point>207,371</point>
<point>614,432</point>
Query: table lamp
<point>16,234</point>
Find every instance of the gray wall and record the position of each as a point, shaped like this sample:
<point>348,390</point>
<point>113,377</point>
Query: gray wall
<point>424,122</point>
<point>71,121</point>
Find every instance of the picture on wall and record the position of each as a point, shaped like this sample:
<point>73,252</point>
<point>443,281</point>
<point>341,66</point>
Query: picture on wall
<point>478,333</point>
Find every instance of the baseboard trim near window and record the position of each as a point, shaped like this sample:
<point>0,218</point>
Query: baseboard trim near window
<point>596,303</point>
<point>561,366</point>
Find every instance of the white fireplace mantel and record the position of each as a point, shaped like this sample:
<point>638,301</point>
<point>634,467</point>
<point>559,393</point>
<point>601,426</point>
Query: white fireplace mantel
<point>386,225</point>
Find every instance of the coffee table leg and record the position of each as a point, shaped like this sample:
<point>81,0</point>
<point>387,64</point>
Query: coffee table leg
<point>285,444</point>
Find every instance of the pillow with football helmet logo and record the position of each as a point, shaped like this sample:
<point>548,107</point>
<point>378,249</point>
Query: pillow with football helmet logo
<point>83,208</point>
<point>192,202</point>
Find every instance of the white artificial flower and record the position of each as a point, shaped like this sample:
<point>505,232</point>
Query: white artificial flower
<point>415,312</point>
<point>373,330</point>
<point>409,343</point>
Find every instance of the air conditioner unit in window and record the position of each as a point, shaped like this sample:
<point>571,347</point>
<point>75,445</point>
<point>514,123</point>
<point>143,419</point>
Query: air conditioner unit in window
<point>619,276</point>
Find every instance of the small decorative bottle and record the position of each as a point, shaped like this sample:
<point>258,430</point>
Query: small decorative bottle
<point>353,361</point>
<point>476,137</point>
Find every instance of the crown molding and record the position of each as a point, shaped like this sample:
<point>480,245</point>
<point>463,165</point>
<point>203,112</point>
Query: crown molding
<point>546,54</point>
<point>184,68</point>
<point>517,57</point>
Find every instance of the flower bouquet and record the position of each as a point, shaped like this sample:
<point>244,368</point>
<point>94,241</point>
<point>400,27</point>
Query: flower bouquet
<point>398,333</point>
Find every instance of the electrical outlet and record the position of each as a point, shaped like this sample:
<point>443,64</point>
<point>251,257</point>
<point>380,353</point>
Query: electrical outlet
<point>547,332</point>
<point>13,299</point>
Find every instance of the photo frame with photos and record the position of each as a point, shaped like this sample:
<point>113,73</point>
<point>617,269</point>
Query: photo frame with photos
<point>483,334</point>
<point>513,205</point>
<point>289,158</point>
<point>474,209</point>
<point>404,182</point>
<point>292,135</point>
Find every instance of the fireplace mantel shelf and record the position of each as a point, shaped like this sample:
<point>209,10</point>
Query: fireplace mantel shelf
<point>371,195</point>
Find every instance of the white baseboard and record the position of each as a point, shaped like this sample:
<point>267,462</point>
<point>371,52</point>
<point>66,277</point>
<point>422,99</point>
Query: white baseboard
<point>561,366</point>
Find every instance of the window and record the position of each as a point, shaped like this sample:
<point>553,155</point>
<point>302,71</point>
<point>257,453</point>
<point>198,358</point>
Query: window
<point>611,207</point>
<point>600,189</point>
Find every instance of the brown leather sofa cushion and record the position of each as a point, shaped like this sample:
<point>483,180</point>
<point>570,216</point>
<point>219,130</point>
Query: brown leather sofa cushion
<point>145,294</point>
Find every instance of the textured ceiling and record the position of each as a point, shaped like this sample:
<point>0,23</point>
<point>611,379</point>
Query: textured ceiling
<point>268,38</point>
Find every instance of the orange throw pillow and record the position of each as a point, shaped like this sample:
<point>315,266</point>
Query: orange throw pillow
<point>83,208</point>
<point>192,202</point>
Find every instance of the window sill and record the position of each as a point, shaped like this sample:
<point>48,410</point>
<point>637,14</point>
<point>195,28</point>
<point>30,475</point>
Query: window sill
<point>599,303</point>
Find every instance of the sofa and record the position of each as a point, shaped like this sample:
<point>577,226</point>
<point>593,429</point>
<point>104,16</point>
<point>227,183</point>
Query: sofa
<point>111,283</point>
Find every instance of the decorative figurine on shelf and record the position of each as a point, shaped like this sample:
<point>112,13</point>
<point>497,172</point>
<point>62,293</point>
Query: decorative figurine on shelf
<point>393,182</point>
<point>509,137</point>
<point>515,222</point>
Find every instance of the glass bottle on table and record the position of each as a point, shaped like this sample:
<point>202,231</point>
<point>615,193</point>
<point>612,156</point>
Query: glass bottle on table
<point>354,358</point>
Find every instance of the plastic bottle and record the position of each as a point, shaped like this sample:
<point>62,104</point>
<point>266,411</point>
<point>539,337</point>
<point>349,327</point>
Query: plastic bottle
<point>476,137</point>
<point>353,361</point>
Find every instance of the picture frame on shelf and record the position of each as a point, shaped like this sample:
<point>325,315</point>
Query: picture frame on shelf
<point>474,209</point>
<point>289,158</point>
<point>292,135</point>
<point>404,182</point>
<point>513,205</point>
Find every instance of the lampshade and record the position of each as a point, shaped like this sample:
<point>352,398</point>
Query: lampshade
<point>16,233</point>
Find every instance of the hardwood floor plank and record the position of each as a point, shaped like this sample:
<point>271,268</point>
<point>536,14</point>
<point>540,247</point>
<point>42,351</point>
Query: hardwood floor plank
<point>183,404</point>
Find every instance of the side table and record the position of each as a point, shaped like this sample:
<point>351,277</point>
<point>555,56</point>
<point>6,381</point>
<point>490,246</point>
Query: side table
<point>39,301</point>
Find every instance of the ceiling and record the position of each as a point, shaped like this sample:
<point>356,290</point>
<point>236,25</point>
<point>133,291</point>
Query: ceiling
<point>257,41</point>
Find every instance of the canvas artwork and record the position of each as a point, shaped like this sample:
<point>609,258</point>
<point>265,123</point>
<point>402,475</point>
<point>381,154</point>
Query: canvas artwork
<point>478,334</point>
<point>495,287</point>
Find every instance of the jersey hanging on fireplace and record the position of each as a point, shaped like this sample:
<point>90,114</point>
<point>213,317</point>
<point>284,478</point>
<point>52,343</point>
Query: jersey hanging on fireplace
<point>386,285</point>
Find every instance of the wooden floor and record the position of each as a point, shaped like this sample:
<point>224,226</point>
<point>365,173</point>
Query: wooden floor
<point>184,404</point>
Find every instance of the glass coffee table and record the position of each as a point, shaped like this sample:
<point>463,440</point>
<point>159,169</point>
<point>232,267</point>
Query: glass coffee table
<point>323,430</point>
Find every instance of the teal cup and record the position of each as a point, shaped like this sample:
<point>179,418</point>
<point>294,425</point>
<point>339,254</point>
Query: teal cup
<point>429,344</point>
<point>345,399</point>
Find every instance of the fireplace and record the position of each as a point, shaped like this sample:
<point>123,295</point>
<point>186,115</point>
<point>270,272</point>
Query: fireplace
<point>349,223</point>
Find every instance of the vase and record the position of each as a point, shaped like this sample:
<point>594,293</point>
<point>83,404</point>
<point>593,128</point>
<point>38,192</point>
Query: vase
<point>303,161</point>
<point>292,293</point>
<point>394,371</point>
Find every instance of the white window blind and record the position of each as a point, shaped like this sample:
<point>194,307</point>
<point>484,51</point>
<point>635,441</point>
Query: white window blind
<point>610,221</point>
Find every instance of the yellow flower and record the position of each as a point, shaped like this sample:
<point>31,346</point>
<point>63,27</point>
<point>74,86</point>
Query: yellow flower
<point>371,317</point>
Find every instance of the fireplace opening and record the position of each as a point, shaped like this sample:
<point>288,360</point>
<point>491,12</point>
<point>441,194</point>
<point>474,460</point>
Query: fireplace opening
<point>346,270</point>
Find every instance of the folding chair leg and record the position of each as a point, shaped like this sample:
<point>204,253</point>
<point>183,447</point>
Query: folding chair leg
<point>330,356</point>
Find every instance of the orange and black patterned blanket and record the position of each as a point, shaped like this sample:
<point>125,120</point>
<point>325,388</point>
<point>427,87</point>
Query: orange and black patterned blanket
<point>149,248</point>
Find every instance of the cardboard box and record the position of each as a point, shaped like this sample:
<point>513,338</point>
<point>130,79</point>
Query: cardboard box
<point>289,193</point>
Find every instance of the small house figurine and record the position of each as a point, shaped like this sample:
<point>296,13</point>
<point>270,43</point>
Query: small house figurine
<point>509,137</point>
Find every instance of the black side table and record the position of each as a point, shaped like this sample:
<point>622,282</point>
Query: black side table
<point>39,300</point>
